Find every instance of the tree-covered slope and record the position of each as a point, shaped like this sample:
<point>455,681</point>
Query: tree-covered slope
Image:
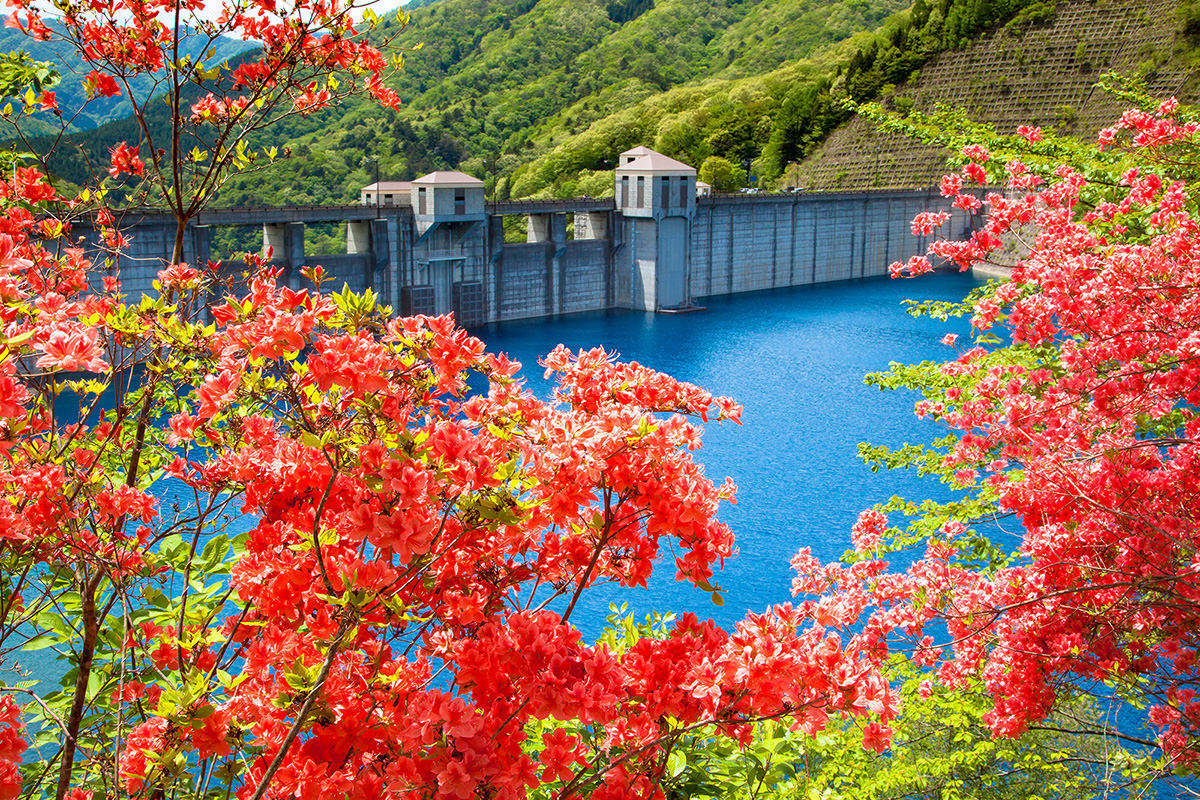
<point>496,84</point>
<point>539,96</point>
<point>526,65</point>
<point>769,119</point>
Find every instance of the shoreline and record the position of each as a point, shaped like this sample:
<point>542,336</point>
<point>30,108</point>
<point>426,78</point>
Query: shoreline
<point>991,271</point>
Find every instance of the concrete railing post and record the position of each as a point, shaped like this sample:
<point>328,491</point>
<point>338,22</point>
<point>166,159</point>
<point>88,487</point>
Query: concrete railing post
<point>358,237</point>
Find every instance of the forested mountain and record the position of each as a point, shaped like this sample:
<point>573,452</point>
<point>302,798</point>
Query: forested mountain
<point>538,96</point>
<point>498,83</point>
<point>775,121</point>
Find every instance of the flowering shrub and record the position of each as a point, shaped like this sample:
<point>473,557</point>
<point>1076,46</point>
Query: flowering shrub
<point>398,615</point>
<point>397,619</point>
<point>1068,559</point>
<point>307,55</point>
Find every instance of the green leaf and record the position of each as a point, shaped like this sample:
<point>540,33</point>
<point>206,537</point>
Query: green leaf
<point>41,642</point>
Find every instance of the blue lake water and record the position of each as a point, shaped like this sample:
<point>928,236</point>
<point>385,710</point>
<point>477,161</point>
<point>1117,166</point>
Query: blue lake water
<point>795,359</point>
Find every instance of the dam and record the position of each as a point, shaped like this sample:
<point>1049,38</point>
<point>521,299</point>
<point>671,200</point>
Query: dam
<point>435,246</point>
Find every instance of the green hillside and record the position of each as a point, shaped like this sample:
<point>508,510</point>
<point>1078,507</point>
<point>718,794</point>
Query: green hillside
<point>770,118</point>
<point>497,84</point>
<point>539,96</point>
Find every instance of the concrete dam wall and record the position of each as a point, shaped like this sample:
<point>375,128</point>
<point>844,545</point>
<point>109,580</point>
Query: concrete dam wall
<point>635,252</point>
<point>755,242</point>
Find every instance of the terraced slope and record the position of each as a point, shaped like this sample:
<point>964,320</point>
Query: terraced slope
<point>1044,74</point>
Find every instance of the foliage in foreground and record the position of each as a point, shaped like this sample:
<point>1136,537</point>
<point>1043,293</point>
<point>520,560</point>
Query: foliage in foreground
<point>397,618</point>
<point>941,748</point>
<point>1067,560</point>
<point>191,120</point>
<point>281,549</point>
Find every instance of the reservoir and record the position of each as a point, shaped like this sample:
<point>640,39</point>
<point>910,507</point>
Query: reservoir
<point>795,358</point>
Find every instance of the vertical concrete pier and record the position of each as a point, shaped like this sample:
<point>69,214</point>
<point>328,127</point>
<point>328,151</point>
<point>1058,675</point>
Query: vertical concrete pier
<point>591,225</point>
<point>358,237</point>
<point>285,242</point>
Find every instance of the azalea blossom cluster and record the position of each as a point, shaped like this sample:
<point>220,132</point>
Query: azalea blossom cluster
<point>1078,435</point>
<point>397,621</point>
